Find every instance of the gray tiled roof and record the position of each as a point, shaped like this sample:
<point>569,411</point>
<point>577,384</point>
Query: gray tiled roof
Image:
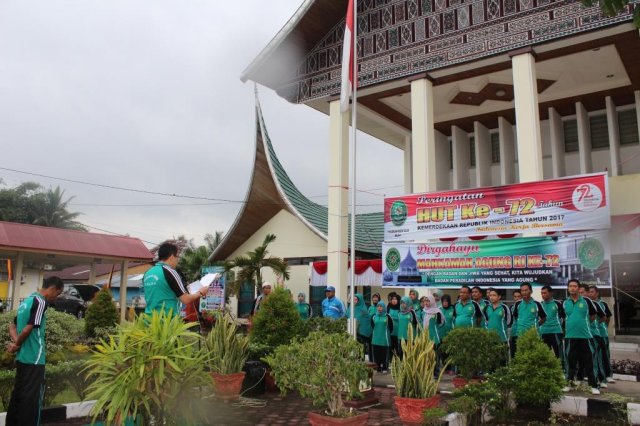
<point>369,226</point>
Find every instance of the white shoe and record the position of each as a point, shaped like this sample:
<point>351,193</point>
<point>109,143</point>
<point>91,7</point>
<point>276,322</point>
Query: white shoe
<point>595,391</point>
<point>603,385</point>
<point>567,389</point>
<point>577,383</point>
<point>610,380</point>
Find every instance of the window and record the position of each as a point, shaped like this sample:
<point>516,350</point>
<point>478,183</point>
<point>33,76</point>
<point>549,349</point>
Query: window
<point>570,135</point>
<point>472,150</point>
<point>495,147</point>
<point>599,131</point>
<point>628,127</point>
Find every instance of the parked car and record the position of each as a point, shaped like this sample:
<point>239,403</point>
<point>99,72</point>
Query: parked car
<point>75,298</point>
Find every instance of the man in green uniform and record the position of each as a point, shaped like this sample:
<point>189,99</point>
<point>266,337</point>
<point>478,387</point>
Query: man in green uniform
<point>466,312</point>
<point>594,294</point>
<point>27,332</point>
<point>163,287</point>
<point>578,336</point>
<point>476,296</point>
<point>497,315</point>
<point>513,331</point>
<point>528,312</point>
<point>598,370</point>
<point>551,330</point>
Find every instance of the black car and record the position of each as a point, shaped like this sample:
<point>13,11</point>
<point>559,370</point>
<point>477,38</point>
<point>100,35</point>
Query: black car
<point>75,299</point>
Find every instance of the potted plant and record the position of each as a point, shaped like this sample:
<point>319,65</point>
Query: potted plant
<point>414,377</point>
<point>323,367</point>
<point>227,351</point>
<point>473,351</point>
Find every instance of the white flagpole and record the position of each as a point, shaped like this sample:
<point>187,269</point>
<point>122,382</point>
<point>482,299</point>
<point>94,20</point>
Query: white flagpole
<point>352,154</point>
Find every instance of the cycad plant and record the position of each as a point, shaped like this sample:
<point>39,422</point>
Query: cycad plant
<point>226,348</point>
<point>150,369</point>
<point>414,373</point>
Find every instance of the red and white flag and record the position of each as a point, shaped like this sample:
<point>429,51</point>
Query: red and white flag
<point>347,61</point>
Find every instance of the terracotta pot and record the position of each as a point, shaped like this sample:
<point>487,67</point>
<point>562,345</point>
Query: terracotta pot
<point>228,386</point>
<point>317,419</point>
<point>410,409</point>
<point>270,382</point>
<point>460,382</point>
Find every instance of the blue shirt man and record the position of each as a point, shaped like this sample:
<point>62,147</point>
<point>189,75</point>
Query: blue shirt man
<point>332,307</point>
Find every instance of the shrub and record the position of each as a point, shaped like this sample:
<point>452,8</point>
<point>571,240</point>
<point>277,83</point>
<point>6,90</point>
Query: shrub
<point>325,325</point>
<point>7,378</point>
<point>151,367</point>
<point>474,350</point>
<point>536,372</point>
<point>433,416</point>
<point>414,373</point>
<point>278,321</point>
<point>101,313</point>
<point>227,350</point>
<point>55,381</point>
<point>321,367</point>
<point>78,380</point>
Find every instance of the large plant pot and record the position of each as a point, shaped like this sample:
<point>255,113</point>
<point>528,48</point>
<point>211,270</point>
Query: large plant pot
<point>270,381</point>
<point>228,386</point>
<point>317,419</point>
<point>410,409</point>
<point>460,382</point>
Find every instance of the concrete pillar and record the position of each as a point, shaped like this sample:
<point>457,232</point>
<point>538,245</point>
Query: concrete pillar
<point>507,152</point>
<point>17,278</point>
<point>92,273</point>
<point>557,143</point>
<point>584,138</point>
<point>483,154</point>
<point>461,158</point>
<point>124,273</point>
<point>423,151</point>
<point>442,162</point>
<point>525,88</point>
<point>338,200</point>
<point>614,136</point>
<point>408,166</point>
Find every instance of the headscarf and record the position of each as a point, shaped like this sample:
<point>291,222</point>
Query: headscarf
<point>374,295</point>
<point>430,311</point>
<point>394,307</point>
<point>384,311</point>
<point>447,298</point>
<point>360,305</point>
<point>416,302</point>
<point>408,304</point>
<point>304,297</point>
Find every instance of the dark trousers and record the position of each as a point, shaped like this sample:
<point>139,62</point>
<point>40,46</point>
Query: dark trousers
<point>26,399</point>
<point>556,342</point>
<point>606,357</point>
<point>580,352</point>
<point>381,357</point>
<point>366,344</point>
<point>601,359</point>
<point>395,346</point>
<point>512,346</point>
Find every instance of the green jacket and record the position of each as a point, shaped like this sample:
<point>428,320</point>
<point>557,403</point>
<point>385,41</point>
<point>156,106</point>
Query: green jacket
<point>382,326</point>
<point>32,312</point>
<point>361,314</point>
<point>162,289</point>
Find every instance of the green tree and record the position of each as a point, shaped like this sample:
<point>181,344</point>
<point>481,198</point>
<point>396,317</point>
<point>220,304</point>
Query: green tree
<point>102,313</point>
<point>50,209</point>
<point>16,204</point>
<point>614,7</point>
<point>250,265</point>
<point>192,258</point>
<point>277,321</point>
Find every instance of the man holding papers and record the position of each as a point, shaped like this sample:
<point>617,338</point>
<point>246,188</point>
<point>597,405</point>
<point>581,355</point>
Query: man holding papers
<point>163,287</point>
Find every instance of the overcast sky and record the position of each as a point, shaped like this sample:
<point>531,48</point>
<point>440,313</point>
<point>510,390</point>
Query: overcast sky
<point>146,94</point>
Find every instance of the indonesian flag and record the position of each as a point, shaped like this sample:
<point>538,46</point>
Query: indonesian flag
<point>347,61</point>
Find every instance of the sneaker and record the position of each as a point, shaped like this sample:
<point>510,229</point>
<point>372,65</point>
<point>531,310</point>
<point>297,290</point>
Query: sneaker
<point>595,391</point>
<point>610,380</point>
<point>603,385</point>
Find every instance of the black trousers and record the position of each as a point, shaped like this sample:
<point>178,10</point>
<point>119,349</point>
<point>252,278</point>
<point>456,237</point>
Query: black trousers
<point>381,357</point>
<point>556,342</point>
<point>366,344</point>
<point>395,346</point>
<point>606,357</point>
<point>580,352</point>
<point>602,358</point>
<point>512,346</point>
<point>26,399</point>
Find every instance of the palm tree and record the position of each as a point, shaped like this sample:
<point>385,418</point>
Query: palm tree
<point>194,258</point>
<point>49,209</point>
<point>250,265</point>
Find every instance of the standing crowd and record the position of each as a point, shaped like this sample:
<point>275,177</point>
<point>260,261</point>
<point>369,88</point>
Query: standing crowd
<point>576,329</point>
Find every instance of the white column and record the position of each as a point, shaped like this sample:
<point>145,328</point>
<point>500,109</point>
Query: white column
<point>442,161</point>
<point>423,150</point>
<point>124,274</point>
<point>17,279</point>
<point>338,202</point>
<point>408,166</point>
<point>557,143</point>
<point>525,88</point>
<point>614,136</point>
<point>461,158</point>
<point>92,273</point>
<point>483,154</point>
<point>584,138</point>
<point>507,152</point>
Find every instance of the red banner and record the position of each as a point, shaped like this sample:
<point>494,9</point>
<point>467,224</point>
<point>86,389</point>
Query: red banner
<point>571,203</point>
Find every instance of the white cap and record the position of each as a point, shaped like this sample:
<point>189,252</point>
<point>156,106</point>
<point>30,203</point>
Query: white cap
<point>266,284</point>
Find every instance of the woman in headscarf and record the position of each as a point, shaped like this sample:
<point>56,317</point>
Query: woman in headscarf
<point>433,319</point>
<point>393,310</point>
<point>363,320</point>
<point>447,310</point>
<point>415,299</point>
<point>382,326</point>
<point>406,318</point>
<point>304,309</point>
<point>437,294</point>
<point>375,298</point>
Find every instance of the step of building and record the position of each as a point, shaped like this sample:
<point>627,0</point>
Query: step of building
<point>623,347</point>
